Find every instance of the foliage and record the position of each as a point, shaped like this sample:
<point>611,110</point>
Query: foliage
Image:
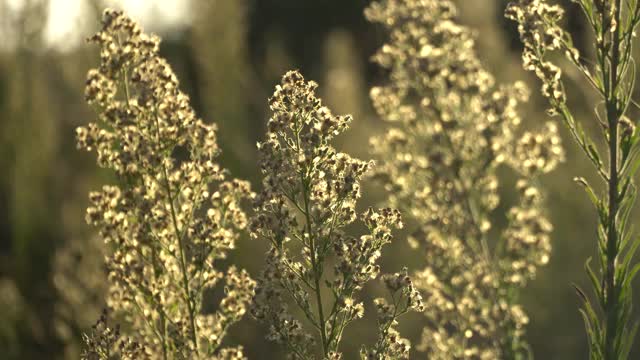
<point>612,75</point>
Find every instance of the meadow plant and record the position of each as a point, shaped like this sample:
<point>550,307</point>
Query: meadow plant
<point>451,128</point>
<point>612,75</point>
<point>309,196</point>
<point>173,214</point>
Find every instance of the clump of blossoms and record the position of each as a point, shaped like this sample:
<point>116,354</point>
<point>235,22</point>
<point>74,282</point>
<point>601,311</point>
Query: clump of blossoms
<point>451,128</point>
<point>405,297</point>
<point>106,342</point>
<point>612,76</point>
<point>175,211</point>
<point>308,198</point>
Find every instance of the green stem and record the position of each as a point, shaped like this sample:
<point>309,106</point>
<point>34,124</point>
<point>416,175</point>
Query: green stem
<point>611,299</point>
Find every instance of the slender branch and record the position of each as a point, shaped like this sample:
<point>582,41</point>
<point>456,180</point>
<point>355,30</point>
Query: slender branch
<point>316,271</point>
<point>182,258</point>
<point>183,265</point>
<point>317,274</point>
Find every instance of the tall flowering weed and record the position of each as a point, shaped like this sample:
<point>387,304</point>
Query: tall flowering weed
<point>309,196</point>
<point>173,213</point>
<point>451,128</point>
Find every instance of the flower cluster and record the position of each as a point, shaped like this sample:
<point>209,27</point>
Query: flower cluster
<point>458,293</point>
<point>405,298</point>
<point>106,343</point>
<point>175,210</point>
<point>308,198</point>
<point>540,32</point>
<point>527,240</point>
<point>538,153</point>
<point>452,126</point>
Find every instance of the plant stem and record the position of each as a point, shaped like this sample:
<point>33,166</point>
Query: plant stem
<point>163,322</point>
<point>611,303</point>
<point>312,247</point>
<point>316,272</point>
<point>183,263</point>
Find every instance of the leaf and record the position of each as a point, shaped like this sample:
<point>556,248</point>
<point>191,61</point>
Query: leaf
<point>595,282</point>
<point>628,257</point>
<point>626,206</point>
<point>632,274</point>
<point>628,341</point>
<point>592,327</point>
<point>592,196</point>
<point>625,148</point>
<point>594,153</point>
<point>625,186</point>
<point>580,293</point>
<point>634,168</point>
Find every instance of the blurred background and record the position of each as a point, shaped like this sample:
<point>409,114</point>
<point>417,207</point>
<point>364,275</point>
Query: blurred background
<point>228,55</point>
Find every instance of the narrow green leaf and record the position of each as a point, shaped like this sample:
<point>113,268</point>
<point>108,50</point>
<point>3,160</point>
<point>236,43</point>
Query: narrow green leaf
<point>592,196</point>
<point>592,276</point>
<point>628,341</point>
<point>632,274</point>
<point>628,257</point>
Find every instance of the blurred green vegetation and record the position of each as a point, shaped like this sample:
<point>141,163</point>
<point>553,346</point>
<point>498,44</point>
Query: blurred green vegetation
<point>228,59</point>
